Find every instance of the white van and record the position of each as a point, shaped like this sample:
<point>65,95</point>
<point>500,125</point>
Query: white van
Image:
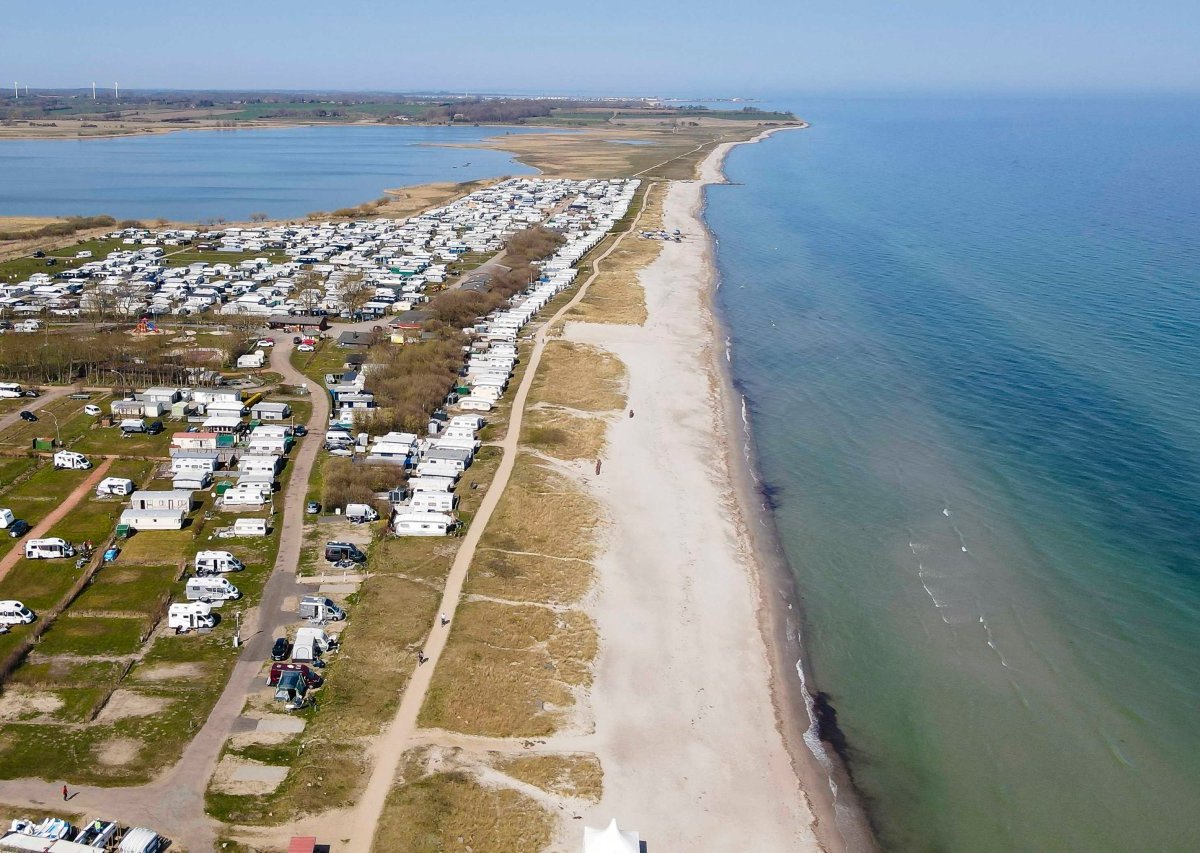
<point>93,410</point>
<point>217,562</point>
<point>48,549</point>
<point>250,527</point>
<point>120,486</point>
<point>190,616</point>
<point>211,589</point>
<point>6,518</point>
<point>71,459</point>
<point>15,613</point>
<point>361,513</point>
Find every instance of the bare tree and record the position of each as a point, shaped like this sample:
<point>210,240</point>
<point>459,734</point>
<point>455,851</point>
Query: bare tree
<point>355,293</point>
<point>259,217</point>
<point>308,288</point>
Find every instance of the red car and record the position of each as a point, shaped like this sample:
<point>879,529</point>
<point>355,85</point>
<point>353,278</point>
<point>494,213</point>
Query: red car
<point>278,669</point>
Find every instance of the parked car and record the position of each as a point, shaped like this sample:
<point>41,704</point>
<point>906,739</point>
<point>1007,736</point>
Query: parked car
<point>266,342</point>
<point>299,430</point>
<point>154,427</point>
<point>92,410</point>
<point>313,507</point>
<point>281,649</point>
<point>313,679</point>
<point>306,348</point>
<point>296,340</point>
<point>18,528</point>
<point>29,416</point>
<point>31,392</point>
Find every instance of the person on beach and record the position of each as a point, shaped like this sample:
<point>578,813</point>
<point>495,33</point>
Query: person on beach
<point>597,466</point>
<point>65,797</point>
<point>631,413</point>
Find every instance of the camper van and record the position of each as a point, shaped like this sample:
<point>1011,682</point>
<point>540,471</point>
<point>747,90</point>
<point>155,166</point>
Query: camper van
<point>216,562</point>
<point>6,518</point>
<point>48,549</point>
<point>318,608</point>
<point>361,513</point>
<point>119,486</point>
<point>92,410</point>
<point>71,459</point>
<point>250,527</point>
<point>15,613</point>
<point>211,589</point>
<point>190,616</point>
<point>337,551</point>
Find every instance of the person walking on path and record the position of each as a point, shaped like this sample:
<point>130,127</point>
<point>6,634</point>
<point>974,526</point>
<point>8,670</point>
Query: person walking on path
<point>65,797</point>
<point>445,620</point>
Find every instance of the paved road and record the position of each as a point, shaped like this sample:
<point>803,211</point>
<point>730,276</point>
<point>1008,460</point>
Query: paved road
<point>173,804</point>
<point>35,403</point>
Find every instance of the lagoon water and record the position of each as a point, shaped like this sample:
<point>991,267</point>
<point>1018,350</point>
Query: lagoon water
<point>968,333</point>
<point>195,175</point>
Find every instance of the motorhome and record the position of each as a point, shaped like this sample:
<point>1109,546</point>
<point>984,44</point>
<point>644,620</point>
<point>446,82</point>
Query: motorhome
<point>217,562</point>
<point>48,549</point>
<point>15,613</point>
<point>250,527</point>
<point>118,486</point>
<point>190,616</point>
<point>317,638</point>
<point>318,608</point>
<point>211,589</point>
<point>361,513</point>
<point>72,460</point>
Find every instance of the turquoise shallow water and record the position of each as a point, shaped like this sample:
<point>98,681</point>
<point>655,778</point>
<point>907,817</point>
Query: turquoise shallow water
<point>192,175</point>
<point>968,333</point>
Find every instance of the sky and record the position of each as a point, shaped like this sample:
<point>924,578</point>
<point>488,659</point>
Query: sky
<point>655,47</point>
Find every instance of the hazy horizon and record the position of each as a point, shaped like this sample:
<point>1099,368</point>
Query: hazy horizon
<point>701,48</point>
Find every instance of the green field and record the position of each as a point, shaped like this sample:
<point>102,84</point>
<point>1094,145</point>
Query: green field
<point>20,269</point>
<point>310,111</point>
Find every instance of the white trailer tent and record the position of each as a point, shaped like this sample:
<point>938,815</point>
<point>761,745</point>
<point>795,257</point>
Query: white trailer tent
<point>422,524</point>
<point>153,519</point>
<point>180,499</point>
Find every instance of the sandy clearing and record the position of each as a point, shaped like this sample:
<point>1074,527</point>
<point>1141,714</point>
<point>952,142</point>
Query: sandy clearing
<point>127,703</point>
<point>18,703</point>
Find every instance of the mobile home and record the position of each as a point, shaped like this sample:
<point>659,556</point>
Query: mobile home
<point>153,519</point>
<point>422,524</point>
<point>250,527</point>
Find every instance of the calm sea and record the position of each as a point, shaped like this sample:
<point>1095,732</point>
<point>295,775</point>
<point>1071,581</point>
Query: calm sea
<point>968,333</point>
<point>195,175</point>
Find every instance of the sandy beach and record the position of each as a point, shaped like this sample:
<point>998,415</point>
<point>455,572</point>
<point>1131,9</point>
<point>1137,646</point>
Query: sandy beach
<point>685,718</point>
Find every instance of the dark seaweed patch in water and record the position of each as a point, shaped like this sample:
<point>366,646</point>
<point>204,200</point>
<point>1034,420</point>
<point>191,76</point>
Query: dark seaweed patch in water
<point>770,494</point>
<point>827,726</point>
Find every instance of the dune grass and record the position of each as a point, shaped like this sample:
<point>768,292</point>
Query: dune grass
<point>569,775</point>
<point>451,811</point>
<point>579,376</point>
